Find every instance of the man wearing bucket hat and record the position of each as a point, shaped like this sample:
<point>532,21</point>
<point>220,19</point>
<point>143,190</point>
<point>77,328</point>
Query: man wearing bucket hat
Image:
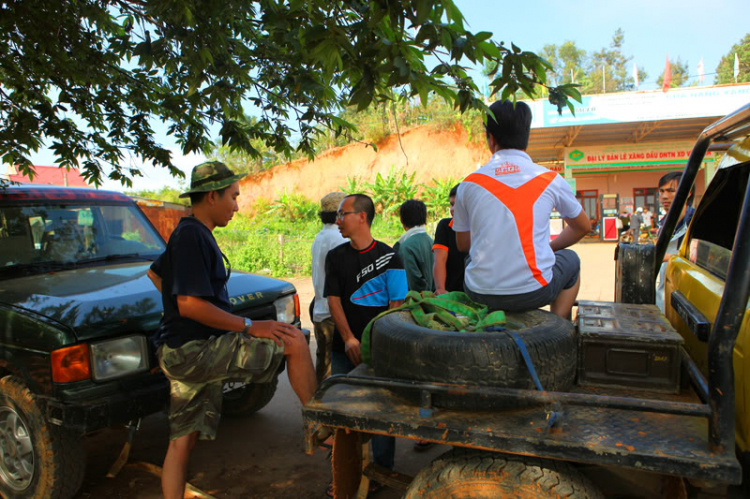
<point>328,238</point>
<point>200,342</point>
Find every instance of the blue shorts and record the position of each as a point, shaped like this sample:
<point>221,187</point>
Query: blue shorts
<point>565,274</point>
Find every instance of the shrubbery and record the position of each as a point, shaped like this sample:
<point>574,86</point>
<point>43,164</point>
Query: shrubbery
<point>269,245</point>
<point>277,239</point>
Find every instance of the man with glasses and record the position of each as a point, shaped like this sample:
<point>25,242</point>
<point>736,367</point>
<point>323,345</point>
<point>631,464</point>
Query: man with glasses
<point>364,277</point>
<point>200,342</point>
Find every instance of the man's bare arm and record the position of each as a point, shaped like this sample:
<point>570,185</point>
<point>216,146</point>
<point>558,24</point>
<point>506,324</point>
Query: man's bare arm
<point>573,232</point>
<point>208,314</point>
<point>155,278</point>
<point>339,318</point>
<point>463,241</point>
<point>351,343</point>
<point>395,304</point>
<point>440,270</point>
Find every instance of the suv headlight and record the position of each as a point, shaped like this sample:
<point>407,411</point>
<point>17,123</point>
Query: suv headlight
<point>285,309</point>
<point>115,358</point>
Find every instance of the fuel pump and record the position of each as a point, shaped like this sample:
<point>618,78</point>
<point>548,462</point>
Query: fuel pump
<point>610,204</point>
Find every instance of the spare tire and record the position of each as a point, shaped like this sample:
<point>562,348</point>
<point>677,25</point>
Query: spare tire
<point>401,349</point>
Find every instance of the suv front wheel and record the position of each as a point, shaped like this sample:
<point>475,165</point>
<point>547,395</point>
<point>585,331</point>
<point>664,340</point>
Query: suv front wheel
<point>37,459</point>
<point>240,400</point>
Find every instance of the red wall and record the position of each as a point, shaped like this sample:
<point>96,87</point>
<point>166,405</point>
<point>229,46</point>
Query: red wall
<point>165,219</point>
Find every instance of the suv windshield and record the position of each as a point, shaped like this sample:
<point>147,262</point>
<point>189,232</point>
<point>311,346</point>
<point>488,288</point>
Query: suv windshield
<point>43,235</point>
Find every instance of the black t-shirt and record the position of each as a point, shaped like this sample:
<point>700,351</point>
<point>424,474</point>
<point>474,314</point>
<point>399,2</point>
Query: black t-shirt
<point>445,238</point>
<point>365,281</point>
<point>192,265</point>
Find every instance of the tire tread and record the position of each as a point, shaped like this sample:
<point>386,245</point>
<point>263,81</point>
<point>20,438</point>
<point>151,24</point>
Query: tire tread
<point>60,469</point>
<point>547,478</point>
<point>404,350</point>
<point>257,400</point>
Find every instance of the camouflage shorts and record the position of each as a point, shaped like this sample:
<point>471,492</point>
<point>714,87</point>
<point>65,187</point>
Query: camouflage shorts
<point>196,372</point>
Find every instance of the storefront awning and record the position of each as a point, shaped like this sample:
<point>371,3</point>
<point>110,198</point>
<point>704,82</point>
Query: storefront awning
<point>547,145</point>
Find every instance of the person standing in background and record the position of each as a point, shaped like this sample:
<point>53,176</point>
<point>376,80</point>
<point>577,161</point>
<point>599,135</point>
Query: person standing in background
<point>448,271</point>
<point>636,219</point>
<point>648,219</point>
<point>328,238</point>
<point>364,278</point>
<point>667,189</point>
<point>415,246</point>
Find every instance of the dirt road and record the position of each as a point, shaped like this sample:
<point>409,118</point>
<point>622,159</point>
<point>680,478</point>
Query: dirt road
<point>261,456</point>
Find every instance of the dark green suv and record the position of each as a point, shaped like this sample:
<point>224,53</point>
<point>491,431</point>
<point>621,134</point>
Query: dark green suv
<point>78,314</point>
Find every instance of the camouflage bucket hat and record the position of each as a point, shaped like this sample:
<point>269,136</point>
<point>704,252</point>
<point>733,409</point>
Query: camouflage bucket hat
<point>211,176</point>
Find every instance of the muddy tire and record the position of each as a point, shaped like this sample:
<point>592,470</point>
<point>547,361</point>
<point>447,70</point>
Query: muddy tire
<point>247,399</point>
<point>475,474</point>
<point>37,459</point>
<point>403,350</point>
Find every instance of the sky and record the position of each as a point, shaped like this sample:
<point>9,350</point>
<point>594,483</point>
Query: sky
<point>653,29</point>
<point>685,29</point>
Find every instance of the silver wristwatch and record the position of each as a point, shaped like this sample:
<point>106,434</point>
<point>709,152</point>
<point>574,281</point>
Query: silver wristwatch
<point>248,325</point>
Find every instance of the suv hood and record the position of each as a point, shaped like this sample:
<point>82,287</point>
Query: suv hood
<point>112,300</point>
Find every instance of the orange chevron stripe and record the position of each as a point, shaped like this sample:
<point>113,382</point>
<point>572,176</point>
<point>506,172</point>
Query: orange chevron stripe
<point>520,201</point>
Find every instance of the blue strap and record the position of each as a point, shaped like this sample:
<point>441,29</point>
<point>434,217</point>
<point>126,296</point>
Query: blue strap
<point>527,359</point>
<point>555,414</point>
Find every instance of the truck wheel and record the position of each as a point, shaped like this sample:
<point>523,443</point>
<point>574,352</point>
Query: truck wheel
<point>246,399</point>
<point>474,474</point>
<point>403,350</point>
<point>37,459</point>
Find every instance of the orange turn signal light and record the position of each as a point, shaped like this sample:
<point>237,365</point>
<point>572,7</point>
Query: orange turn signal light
<point>297,309</point>
<point>71,364</point>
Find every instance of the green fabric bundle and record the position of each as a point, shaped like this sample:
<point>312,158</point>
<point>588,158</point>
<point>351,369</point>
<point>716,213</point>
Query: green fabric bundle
<point>453,311</point>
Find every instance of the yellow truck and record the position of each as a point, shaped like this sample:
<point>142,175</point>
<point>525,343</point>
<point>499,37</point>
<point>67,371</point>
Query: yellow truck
<point>544,408</point>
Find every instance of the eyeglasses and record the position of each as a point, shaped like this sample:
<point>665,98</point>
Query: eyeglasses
<point>341,214</point>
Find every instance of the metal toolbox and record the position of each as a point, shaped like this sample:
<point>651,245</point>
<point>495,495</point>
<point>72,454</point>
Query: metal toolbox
<point>627,345</point>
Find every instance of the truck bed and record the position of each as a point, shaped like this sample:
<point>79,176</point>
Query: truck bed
<point>649,441</point>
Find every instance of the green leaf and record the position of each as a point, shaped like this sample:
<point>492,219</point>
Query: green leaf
<point>446,39</point>
<point>206,56</point>
<point>424,93</point>
<point>490,49</point>
<point>482,36</point>
<point>454,14</point>
<point>423,10</point>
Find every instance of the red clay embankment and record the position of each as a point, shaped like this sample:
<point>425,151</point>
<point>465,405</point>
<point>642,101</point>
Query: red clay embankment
<point>431,154</point>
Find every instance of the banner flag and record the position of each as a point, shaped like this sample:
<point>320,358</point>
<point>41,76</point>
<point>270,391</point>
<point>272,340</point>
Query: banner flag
<point>667,78</point>
<point>701,71</point>
<point>635,74</point>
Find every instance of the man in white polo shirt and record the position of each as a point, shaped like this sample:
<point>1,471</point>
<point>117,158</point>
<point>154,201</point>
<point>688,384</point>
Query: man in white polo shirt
<point>501,219</point>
